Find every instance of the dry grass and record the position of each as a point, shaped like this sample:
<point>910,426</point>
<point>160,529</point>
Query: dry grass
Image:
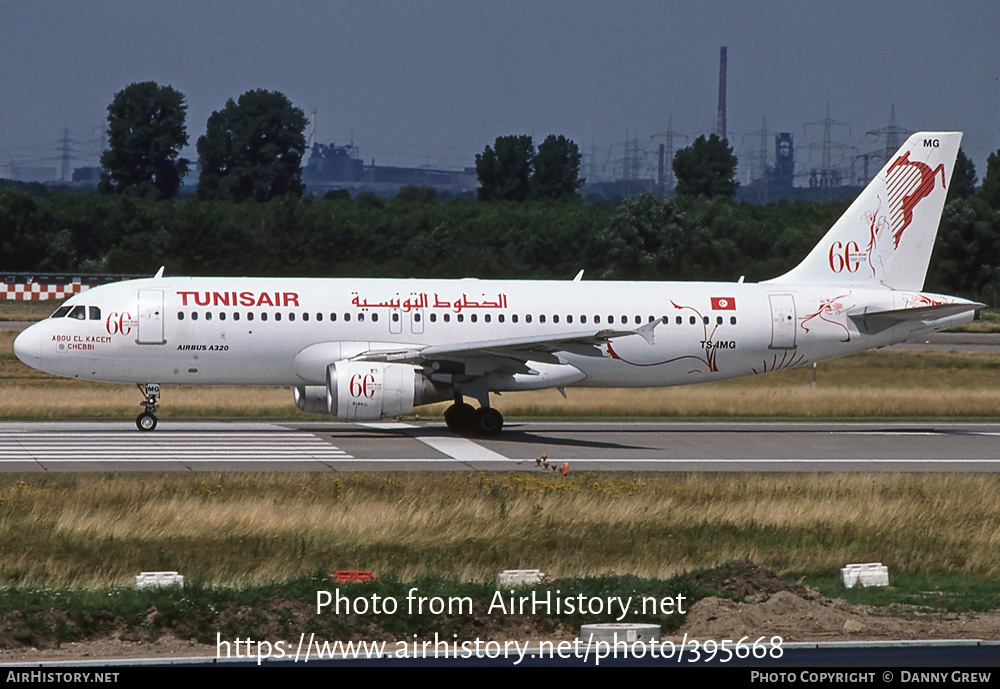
<point>236,530</point>
<point>11,310</point>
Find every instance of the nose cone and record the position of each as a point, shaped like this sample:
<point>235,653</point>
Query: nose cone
<point>28,347</point>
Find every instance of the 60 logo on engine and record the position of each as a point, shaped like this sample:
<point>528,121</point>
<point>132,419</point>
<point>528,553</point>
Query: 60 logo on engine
<point>363,385</point>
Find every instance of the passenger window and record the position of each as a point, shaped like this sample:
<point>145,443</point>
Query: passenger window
<point>434,318</point>
<point>513,318</point>
<point>236,315</point>
<point>461,318</point>
<point>95,313</point>
<point>263,316</point>
<point>704,319</point>
<point>305,317</point>
<point>291,317</point>
<point>527,319</point>
<point>79,313</point>
<point>374,317</point>
<point>693,320</point>
<point>250,316</point>
<point>718,320</point>
<point>473,318</point>
<point>180,315</point>
<point>208,316</point>
<point>583,319</point>
<point>679,320</point>
<point>555,319</point>
<point>319,317</point>
<point>638,319</point>
<point>447,318</point>
<point>222,315</point>
<point>487,318</point>
<point>361,317</point>
<point>277,316</point>
<point>597,319</point>
<point>569,319</point>
<point>501,318</point>
<point>395,318</point>
<point>541,319</point>
<point>416,317</point>
<point>194,315</point>
<point>333,316</point>
<point>625,319</point>
<point>732,320</point>
<point>347,317</point>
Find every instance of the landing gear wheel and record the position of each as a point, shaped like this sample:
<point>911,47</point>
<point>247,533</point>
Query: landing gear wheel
<point>145,421</point>
<point>461,418</point>
<point>488,421</point>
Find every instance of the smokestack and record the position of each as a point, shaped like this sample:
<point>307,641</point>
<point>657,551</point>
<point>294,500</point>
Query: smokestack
<point>721,119</point>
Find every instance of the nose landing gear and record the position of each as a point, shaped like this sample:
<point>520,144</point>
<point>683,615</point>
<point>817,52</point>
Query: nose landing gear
<point>146,421</point>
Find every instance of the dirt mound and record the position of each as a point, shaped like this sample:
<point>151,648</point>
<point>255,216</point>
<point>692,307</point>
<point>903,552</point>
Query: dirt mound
<point>744,580</point>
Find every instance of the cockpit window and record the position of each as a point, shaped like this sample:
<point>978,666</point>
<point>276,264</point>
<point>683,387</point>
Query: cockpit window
<point>79,313</point>
<point>61,312</point>
<point>95,313</point>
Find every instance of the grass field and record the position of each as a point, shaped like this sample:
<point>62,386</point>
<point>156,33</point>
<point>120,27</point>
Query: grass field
<point>236,530</point>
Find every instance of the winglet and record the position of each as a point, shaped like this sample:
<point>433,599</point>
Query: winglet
<point>646,331</point>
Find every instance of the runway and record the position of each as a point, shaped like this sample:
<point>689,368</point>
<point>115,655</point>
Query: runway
<point>586,446</point>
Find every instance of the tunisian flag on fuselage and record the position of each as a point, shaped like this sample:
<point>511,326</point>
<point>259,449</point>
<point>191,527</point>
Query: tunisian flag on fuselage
<point>723,304</point>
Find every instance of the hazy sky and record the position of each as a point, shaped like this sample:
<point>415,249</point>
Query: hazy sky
<point>435,81</point>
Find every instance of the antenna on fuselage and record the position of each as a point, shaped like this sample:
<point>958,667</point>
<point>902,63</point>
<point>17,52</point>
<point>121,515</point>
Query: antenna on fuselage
<point>579,276</point>
<point>159,273</point>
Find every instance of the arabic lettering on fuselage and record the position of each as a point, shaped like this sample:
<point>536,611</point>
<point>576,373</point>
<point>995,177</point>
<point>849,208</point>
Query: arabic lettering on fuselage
<point>422,301</point>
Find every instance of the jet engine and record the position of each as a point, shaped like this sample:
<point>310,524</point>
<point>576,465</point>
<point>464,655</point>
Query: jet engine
<point>367,391</point>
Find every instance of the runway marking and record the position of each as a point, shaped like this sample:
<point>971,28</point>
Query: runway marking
<point>455,447</point>
<point>102,446</point>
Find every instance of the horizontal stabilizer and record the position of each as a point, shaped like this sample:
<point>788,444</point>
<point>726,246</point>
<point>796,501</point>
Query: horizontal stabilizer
<point>876,321</point>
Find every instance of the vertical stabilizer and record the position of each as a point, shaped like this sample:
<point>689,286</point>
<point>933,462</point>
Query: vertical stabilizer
<point>886,237</point>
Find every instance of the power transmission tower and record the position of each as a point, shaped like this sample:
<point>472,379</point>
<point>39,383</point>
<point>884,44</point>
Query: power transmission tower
<point>827,176</point>
<point>665,179</point>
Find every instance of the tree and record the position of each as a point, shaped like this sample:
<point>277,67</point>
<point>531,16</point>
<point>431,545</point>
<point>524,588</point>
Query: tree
<point>146,133</point>
<point>252,149</point>
<point>990,191</point>
<point>512,171</point>
<point>556,169</point>
<point>706,168</point>
<point>504,171</point>
<point>963,179</point>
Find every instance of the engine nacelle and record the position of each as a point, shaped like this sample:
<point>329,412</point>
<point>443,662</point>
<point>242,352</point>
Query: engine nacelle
<point>367,391</point>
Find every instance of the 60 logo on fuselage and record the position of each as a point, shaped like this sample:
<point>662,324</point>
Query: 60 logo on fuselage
<point>118,323</point>
<point>843,256</point>
<point>362,385</point>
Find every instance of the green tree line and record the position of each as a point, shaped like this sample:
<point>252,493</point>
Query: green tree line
<point>413,235</point>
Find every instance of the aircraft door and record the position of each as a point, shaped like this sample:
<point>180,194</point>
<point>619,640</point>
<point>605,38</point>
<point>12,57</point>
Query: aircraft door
<point>782,321</point>
<point>150,317</point>
<point>417,321</point>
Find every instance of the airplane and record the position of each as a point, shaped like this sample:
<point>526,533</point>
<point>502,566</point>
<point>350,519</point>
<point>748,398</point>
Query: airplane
<point>366,349</point>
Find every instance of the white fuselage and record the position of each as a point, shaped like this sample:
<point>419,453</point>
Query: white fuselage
<point>259,331</point>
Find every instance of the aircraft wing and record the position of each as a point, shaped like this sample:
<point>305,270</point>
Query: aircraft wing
<point>506,354</point>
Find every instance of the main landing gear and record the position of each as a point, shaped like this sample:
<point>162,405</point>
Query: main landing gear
<point>146,421</point>
<point>464,419</point>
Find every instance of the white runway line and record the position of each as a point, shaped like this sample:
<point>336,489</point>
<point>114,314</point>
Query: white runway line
<point>455,447</point>
<point>98,446</point>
